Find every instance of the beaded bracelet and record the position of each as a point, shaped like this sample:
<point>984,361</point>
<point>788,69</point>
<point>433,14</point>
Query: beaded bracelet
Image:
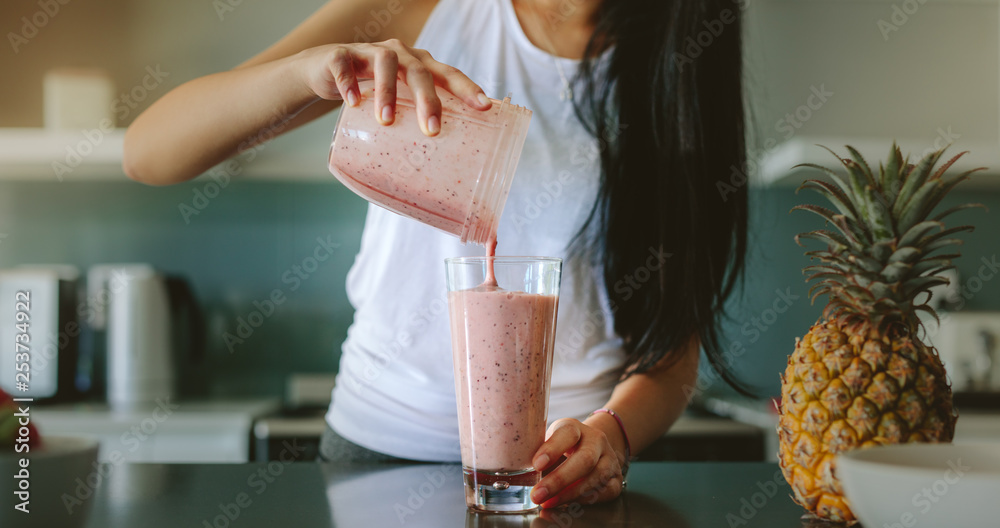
<point>628,445</point>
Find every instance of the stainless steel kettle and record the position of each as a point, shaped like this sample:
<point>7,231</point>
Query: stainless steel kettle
<point>150,321</point>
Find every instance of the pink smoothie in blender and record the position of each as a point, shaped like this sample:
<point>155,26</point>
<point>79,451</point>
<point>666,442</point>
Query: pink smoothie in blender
<point>456,181</point>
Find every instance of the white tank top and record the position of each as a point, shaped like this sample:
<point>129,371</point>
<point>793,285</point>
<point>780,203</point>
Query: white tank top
<point>395,390</point>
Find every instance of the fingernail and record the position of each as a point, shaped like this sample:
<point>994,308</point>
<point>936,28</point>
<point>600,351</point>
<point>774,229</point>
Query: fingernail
<point>352,98</point>
<point>541,462</point>
<point>433,125</point>
<point>387,114</point>
<point>483,100</point>
<point>538,495</point>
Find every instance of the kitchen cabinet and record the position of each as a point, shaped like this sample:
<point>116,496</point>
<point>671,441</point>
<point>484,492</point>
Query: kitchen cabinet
<point>978,426</point>
<point>692,438</point>
<point>974,425</point>
<point>210,431</point>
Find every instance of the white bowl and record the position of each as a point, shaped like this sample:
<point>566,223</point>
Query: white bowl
<point>53,472</point>
<point>923,485</point>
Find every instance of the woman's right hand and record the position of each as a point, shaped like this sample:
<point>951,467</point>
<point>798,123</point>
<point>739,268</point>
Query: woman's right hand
<point>332,72</point>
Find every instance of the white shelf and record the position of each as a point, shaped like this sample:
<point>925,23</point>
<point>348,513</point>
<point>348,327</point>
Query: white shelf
<point>29,154</point>
<point>185,432</point>
<point>777,167</point>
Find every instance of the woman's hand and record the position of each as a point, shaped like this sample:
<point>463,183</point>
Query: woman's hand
<point>591,472</point>
<point>332,72</point>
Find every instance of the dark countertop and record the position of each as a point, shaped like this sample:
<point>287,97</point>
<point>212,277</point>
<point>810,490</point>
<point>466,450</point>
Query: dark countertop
<point>307,494</point>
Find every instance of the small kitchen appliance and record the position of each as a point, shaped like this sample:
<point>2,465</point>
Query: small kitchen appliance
<point>148,321</point>
<point>39,332</point>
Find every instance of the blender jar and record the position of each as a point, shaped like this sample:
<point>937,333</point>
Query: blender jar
<point>457,181</point>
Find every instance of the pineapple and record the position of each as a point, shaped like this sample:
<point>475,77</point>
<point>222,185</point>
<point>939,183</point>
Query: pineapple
<point>862,376</point>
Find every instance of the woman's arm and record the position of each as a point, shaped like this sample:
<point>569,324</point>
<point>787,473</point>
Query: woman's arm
<point>204,121</point>
<point>648,404</point>
<point>301,77</point>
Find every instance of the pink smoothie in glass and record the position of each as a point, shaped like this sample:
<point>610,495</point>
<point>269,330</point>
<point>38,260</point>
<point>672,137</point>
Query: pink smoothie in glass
<point>503,355</point>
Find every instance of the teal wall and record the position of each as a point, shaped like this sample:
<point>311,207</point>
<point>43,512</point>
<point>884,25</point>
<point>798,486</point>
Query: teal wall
<point>240,247</point>
<point>235,252</point>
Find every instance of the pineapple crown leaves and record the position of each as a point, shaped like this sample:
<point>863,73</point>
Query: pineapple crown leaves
<point>879,256</point>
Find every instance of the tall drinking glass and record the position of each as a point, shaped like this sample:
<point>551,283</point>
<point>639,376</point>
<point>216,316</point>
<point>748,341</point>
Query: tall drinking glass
<point>503,334</point>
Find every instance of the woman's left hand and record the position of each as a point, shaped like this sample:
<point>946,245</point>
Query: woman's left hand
<point>591,472</point>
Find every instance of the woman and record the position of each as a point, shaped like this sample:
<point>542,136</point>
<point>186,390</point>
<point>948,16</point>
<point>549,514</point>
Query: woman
<point>636,120</point>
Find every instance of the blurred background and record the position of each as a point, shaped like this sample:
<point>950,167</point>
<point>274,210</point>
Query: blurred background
<point>818,71</point>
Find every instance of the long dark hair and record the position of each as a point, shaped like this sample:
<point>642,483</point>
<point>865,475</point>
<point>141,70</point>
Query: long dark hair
<point>667,107</point>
